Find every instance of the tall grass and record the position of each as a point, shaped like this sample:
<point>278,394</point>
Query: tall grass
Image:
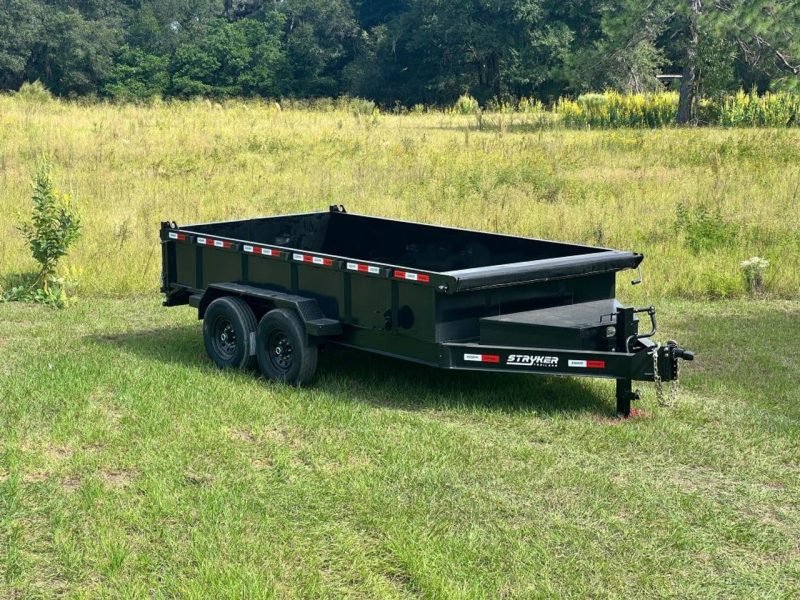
<point>751,110</point>
<point>135,166</point>
<point>656,110</point>
<point>612,109</point>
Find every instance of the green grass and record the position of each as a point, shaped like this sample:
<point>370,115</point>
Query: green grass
<point>132,467</point>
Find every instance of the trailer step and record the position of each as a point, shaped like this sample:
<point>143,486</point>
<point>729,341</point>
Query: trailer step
<point>324,327</point>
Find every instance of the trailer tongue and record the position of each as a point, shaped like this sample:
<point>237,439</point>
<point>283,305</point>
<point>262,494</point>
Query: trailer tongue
<point>273,289</point>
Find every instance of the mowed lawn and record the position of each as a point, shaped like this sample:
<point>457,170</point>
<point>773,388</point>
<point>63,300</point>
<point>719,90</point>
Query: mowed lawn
<point>132,467</point>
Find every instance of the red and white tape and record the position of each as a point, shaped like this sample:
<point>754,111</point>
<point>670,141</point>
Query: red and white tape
<point>587,364</point>
<point>363,268</point>
<point>314,260</point>
<point>261,251</point>
<point>215,243</point>
<point>420,277</point>
<point>482,358</point>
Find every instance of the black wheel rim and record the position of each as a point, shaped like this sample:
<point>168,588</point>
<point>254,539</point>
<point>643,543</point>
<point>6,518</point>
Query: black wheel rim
<point>223,337</point>
<point>280,350</point>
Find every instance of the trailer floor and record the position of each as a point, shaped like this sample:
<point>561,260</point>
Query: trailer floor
<point>130,467</point>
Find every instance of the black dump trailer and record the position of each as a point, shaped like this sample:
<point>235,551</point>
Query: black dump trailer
<point>271,290</point>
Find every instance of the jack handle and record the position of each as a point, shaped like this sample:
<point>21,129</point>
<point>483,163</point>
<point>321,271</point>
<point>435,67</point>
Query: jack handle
<point>651,312</point>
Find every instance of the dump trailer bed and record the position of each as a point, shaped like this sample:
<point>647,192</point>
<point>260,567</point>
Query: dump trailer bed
<point>445,297</point>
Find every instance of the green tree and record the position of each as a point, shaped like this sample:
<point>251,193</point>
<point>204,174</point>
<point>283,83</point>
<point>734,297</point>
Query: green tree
<point>436,50</point>
<point>762,34</point>
<point>319,40</point>
<point>624,52</point>
<point>19,30</point>
<point>236,58</point>
<point>72,54</point>
<point>137,76</point>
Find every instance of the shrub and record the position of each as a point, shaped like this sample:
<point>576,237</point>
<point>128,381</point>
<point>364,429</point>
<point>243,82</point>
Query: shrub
<point>751,110</point>
<point>612,109</point>
<point>530,105</point>
<point>54,227</point>
<point>466,105</point>
<point>356,106</point>
<point>35,93</point>
<point>753,270</point>
<point>704,228</point>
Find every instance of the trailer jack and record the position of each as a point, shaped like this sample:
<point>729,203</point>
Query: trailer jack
<point>625,395</point>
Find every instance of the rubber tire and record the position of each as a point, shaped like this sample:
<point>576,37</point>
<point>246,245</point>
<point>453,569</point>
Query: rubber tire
<point>304,355</point>
<point>244,324</point>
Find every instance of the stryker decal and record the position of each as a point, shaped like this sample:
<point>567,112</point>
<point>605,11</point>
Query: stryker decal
<point>532,360</point>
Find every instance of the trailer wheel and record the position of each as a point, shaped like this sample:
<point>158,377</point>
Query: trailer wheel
<point>229,327</point>
<point>282,348</point>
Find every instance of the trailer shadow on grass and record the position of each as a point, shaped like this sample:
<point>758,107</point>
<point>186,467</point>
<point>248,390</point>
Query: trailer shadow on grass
<point>358,376</point>
<point>385,381</point>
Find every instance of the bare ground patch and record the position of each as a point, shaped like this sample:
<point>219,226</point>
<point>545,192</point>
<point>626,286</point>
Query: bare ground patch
<point>117,478</point>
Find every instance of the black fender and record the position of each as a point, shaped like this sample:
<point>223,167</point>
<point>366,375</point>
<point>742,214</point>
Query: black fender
<point>316,323</point>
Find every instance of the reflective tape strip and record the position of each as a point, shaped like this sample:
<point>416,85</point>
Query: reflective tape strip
<point>587,364</point>
<point>363,268</point>
<point>181,237</point>
<point>314,260</point>
<point>482,358</point>
<point>259,250</point>
<point>421,277</point>
<point>215,243</point>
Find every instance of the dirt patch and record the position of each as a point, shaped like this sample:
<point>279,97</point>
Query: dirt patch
<point>243,435</point>
<point>35,476</point>
<point>52,451</point>
<point>116,478</point>
<point>637,414</point>
<point>59,453</point>
<point>199,479</point>
<point>70,484</point>
<point>262,464</point>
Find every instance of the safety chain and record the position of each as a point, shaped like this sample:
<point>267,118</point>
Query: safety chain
<point>670,398</point>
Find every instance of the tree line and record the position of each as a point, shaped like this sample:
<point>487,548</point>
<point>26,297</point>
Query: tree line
<point>398,51</point>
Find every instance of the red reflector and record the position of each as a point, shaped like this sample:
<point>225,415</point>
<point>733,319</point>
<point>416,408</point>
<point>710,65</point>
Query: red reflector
<point>215,243</point>
<point>314,260</point>
<point>595,364</point>
<point>490,358</point>
<point>421,277</point>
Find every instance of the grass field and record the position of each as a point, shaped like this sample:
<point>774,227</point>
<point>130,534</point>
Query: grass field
<point>130,467</point>
<point>132,167</point>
